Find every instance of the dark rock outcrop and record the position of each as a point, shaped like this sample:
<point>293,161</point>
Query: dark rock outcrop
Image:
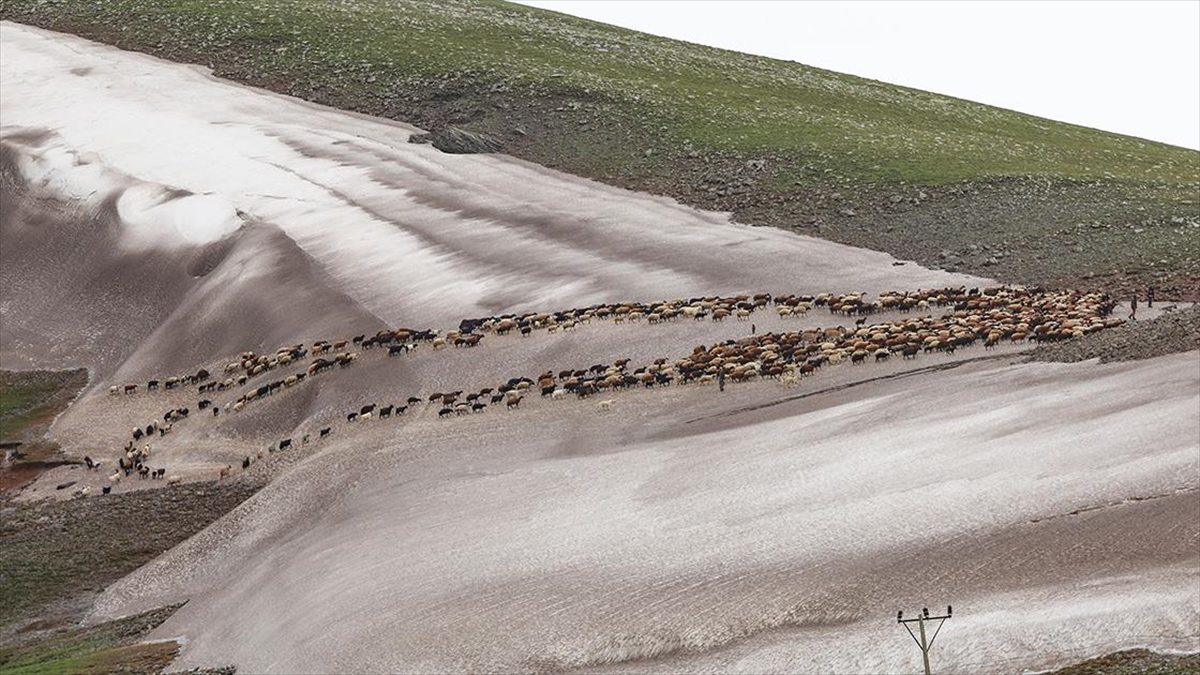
<point>459,141</point>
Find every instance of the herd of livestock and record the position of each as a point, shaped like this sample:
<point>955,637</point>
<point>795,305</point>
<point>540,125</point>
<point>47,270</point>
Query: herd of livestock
<point>966,317</point>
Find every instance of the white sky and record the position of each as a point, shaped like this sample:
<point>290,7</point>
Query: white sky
<point>1128,67</point>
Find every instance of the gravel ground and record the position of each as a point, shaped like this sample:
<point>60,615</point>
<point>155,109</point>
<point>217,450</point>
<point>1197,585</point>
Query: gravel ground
<point>1170,333</point>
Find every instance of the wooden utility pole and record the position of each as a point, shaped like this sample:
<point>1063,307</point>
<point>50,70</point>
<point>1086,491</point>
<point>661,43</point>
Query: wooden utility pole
<point>921,641</point>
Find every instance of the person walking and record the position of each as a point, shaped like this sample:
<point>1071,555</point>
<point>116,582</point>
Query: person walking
<point>1149,296</point>
<point>721,379</point>
<point>1133,307</point>
<point>753,329</point>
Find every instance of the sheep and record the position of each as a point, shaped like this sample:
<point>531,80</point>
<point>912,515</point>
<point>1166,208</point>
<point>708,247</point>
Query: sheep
<point>224,472</point>
<point>605,405</point>
<point>174,480</point>
<point>285,444</point>
<point>512,401</point>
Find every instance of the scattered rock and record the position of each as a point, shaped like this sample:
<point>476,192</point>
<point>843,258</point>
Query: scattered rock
<point>457,141</point>
<point>1177,331</point>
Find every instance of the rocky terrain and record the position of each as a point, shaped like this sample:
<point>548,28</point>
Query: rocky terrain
<point>1170,333</point>
<point>1136,662</point>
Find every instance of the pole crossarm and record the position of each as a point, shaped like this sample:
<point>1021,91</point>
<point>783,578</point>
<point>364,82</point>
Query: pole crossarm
<point>924,643</point>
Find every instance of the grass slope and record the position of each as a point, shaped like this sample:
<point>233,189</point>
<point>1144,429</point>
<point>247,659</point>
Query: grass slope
<point>54,555</point>
<point>107,648</point>
<point>29,400</point>
<point>924,176</point>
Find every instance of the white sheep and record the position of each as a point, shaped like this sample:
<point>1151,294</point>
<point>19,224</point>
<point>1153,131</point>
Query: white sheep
<point>605,405</point>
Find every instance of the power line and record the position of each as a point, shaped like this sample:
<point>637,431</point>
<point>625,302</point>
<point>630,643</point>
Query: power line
<point>924,644</point>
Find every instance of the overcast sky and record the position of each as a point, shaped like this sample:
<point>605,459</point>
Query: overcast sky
<point>1129,67</point>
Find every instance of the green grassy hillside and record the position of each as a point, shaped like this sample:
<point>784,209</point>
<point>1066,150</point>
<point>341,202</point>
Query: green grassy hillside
<point>921,175</point>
